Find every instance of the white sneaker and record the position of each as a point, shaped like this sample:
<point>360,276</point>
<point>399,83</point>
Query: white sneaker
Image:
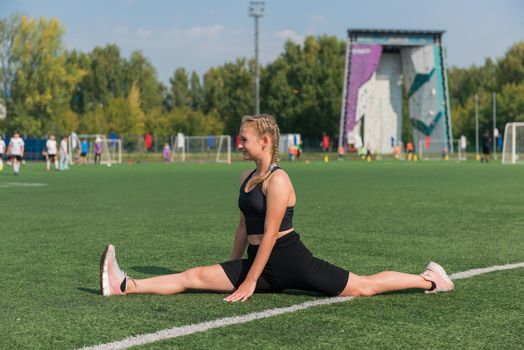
<point>436,274</point>
<point>111,277</point>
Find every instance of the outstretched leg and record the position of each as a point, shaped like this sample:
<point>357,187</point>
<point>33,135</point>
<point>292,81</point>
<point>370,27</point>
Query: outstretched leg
<point>434,279</point>
<point>113,281</point>
<point>210,278</point>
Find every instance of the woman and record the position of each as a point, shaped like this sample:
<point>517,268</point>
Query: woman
<point>277,259</point>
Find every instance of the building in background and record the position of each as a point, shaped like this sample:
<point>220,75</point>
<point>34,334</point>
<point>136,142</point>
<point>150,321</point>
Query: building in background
<point>379,63</point>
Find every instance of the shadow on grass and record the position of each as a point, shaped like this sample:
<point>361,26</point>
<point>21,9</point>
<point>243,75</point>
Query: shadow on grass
<point>301,292</point>
<point>404,291</point>
<point>317,294</point>
<point>89,290</point>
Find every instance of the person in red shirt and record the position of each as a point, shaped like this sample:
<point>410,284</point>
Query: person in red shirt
<point>148,141</point>
<point>325,142</point>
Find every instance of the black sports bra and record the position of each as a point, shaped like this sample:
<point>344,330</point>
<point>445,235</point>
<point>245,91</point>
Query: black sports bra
<point>253,206</point>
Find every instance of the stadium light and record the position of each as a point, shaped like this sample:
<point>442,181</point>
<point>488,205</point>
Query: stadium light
<point>256,10</point>
<point>495,130</point>
<point>477,126</point>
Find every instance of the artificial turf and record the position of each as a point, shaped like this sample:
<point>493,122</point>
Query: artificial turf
<point>165,218</point>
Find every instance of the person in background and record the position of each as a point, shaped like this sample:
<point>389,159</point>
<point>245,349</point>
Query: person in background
<point>2,152</point>
<point>84,146</point>
<point>396,152</point>
<point>325,142</point>
<point>51,149</point>
<point>486,147</point>
<point>499,143</point>
<point>299,149</point>
<point>167,153</point>
<point>64,154</point>
<point>341,152</point>
<point>444,153</point>
<point>409,150</point>
<point>15,150</point>
<point>98,150</point>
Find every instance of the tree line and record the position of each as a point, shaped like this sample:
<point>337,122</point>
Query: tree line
<point>504,77</point>
<point>49,89</point>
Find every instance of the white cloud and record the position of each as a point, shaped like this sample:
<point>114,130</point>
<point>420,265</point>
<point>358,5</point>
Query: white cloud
<point>143,33</point>
<point>193,33</point>
<point>204,32</point>
<point>288,34</point>
<point>196,47</point>
<point>316,24</point>
<point>318,19</point>
<point>121,30</point>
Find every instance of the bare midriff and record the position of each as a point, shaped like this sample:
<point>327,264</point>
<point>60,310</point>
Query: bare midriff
<point>257,239</point>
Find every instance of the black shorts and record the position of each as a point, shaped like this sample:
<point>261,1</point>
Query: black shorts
<point>17,157</point>
<point>52,157</point>
<point>290,266</point>
<point>485,150</point>
<point>83,154</point>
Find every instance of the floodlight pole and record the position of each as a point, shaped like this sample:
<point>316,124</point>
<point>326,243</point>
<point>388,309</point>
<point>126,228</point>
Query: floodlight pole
<point>495,133</point>
<point>477,125</point>
<point>256,10</point>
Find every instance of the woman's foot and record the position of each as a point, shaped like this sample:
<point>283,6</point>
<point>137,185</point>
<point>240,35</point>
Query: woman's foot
<point>112,279</point>
<point>438,277</point>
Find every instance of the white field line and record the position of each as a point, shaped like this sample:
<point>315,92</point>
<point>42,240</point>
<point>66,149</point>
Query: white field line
<point>21,184</point>
<point>476,272</point>
<point>226,321</point>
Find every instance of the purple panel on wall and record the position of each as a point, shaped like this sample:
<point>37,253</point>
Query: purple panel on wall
<point>364,62</point>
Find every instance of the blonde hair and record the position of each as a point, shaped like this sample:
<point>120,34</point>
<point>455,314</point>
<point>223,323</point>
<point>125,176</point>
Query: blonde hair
<point>264,124</point>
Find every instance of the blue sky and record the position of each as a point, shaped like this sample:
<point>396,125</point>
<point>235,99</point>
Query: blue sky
<point>199,34</point>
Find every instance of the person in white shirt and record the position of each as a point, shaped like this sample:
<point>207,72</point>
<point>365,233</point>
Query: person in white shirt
<point>2,151</point>
<point>50,146</point>
<point>16,151</point>
<point>64,154</point>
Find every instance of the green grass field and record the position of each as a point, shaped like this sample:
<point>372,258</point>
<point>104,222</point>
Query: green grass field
<point>165,218</point>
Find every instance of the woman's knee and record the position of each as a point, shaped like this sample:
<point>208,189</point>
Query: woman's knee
<point>206,277</point>
<point>359,286</point>
<point>193,277</point>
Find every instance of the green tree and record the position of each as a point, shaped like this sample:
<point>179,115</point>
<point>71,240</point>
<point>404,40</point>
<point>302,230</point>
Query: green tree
<point>142,72</point>
<point>511,67</point>
<point>44,79</point>
<point>8,28</point>
<point>505,77</point>
<point>180,88</point>
<point>157,122</point>
<point>194,122</point>
<point>105,80</point>
<point>135,118</point>
<point>195,91</point>
<point>302,88</point>
<point>94,121</point>
<point>510,104</point>
<point>228,93</point>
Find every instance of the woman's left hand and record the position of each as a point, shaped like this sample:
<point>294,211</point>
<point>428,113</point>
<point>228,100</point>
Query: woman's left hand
<point>244,291</point>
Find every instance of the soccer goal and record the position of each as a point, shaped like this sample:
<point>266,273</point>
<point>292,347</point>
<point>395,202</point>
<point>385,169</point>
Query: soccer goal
<point>211,148</point>
<point>111,149</point>
<point>440,150</point>
<point>513,149</point>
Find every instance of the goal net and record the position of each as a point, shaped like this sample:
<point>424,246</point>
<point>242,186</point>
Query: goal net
<point>440,150</point>
<point>110,149</point>
<point>211,148</point>
<point>513,149</point>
